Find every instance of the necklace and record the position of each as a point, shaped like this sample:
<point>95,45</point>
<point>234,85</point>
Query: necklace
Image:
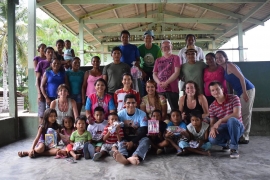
<point>62,106</point>
<point>100,100</point>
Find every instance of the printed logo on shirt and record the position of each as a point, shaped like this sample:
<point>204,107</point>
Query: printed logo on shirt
<point>149,59</point>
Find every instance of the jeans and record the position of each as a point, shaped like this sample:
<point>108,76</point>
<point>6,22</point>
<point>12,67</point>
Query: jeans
<point>232,130</point>
<point>141,150</point>
<point>183,144</point>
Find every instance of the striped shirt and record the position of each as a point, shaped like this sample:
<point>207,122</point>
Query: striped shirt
<point>219,111</point>
<point>113,137</point>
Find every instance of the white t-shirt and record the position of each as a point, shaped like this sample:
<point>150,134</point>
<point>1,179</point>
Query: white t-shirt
<point>182,54</point>
<point>96,130</point>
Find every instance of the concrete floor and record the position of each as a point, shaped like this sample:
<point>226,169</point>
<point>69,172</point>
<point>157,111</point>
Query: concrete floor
<point>254,163</point>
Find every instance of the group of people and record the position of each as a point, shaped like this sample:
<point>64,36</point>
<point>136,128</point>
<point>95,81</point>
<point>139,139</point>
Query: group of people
<point>116,116</point>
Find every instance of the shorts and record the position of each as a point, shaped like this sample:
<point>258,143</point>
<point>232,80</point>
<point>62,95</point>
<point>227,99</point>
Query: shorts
<point>41,108</point>
<point>77,97</point>
<point>108,147</point>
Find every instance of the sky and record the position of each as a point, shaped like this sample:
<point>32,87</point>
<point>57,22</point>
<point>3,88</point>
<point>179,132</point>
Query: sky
<point>255,40</point>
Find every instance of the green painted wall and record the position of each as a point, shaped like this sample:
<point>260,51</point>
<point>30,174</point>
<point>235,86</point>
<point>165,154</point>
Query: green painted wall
<point>8,131</point>
<point>259,74</point>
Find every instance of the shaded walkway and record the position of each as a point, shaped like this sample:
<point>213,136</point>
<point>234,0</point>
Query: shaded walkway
<point>254,163</point>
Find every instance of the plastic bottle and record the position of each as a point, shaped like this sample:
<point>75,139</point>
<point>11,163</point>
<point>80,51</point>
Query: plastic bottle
<point>136,74</point>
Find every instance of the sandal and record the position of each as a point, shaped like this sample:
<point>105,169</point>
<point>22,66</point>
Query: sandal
<point>179,152</point>
<point>22,154</point>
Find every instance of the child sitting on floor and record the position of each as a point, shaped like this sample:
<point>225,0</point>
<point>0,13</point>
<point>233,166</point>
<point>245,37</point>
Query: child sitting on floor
<point>198,136</point>
<point>97,128</point>
<point>158,141</point>
<point>68,124</point>
<point>48,128</point>
<point>176,130</point>
<point>112,134</point>
<point>80,140</point>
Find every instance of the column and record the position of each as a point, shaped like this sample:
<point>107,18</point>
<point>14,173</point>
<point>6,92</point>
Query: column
<point>81,44</point>
<point>240,41</point>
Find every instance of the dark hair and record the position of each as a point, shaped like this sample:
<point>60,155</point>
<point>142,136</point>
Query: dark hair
<point>68,117</point>
<point>215,83</point>
<point>47,48</point>
<point>157,101</point>
<point>127,74</point>
<point>113,114</point>
<point>97,57</point>
<point>223,54</point>
<point>60,41</point>
<point>175,111</point>
<point>211,54</point>
<point>157,111</point>
<point>197,89</point>
<point>99,109</point>
<point>76,58</point>
<point>67,41</point>
<point>196,113</point>
<point>125,32</point>
<point>61,86</point>
<point>39,46</point>
<point>45,122</point>
<point>80,118</point>
<point>190,35</point>
<point>116,48</point>
<point>104,82</point>
<point>129,96</point>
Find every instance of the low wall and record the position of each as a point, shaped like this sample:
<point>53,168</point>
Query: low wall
<point>8,130</point>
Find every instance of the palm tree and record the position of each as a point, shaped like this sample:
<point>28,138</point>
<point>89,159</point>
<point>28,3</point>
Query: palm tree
<point>21,14</point>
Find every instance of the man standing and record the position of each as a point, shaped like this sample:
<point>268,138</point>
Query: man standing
<point>149,52</point>
<point>165,73</point>
<point>135,146</point>
<point>190,43</point>
<point>130,52</point>
<point>225,119</point>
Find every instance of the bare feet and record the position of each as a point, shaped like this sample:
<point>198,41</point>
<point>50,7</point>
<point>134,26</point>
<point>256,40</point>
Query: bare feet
<point>22,153</point>
<point>207,153</point>
<point>120,158</point>
<point>134,160</point>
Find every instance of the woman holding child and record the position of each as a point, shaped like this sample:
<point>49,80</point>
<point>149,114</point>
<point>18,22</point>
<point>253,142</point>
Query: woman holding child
<point>192,101</point>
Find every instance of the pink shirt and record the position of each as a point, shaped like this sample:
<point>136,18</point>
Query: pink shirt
<point>164,67</point>
<point>90,84</point>
<point>217,75</point>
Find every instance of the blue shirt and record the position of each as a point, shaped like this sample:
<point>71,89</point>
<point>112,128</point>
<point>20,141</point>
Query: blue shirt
<point>130,53</point>
<point>235,82</point>
<point>138,118</point>
<point>181,125</point>
<point>53,81</point>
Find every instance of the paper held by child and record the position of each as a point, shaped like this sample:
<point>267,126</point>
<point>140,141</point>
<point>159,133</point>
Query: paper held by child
<point>112,128</point>
<point>153,126</point>
<point>49,141</point>
<point>175,129</point>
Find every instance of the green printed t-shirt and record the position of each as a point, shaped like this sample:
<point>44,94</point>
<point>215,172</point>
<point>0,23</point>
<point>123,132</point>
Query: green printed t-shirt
<point>149,56</point>
<point>76,137</point>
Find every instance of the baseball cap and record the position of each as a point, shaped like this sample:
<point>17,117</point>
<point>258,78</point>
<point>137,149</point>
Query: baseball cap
<point>149,32</point>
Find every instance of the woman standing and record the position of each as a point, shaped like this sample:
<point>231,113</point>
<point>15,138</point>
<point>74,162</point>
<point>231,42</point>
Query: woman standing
<point>100,98</point>
<point>193,70</point>
<point>213,72</point>
<point>63,105</point>
<point>192,101</point>
<point>153,101</point>
<point>244,89</point>
<point>75,80</point>
<point>51,79</point>
<point>90,78</point>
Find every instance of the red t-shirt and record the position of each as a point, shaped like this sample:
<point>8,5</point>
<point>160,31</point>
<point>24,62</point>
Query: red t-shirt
<point>119,96</point>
